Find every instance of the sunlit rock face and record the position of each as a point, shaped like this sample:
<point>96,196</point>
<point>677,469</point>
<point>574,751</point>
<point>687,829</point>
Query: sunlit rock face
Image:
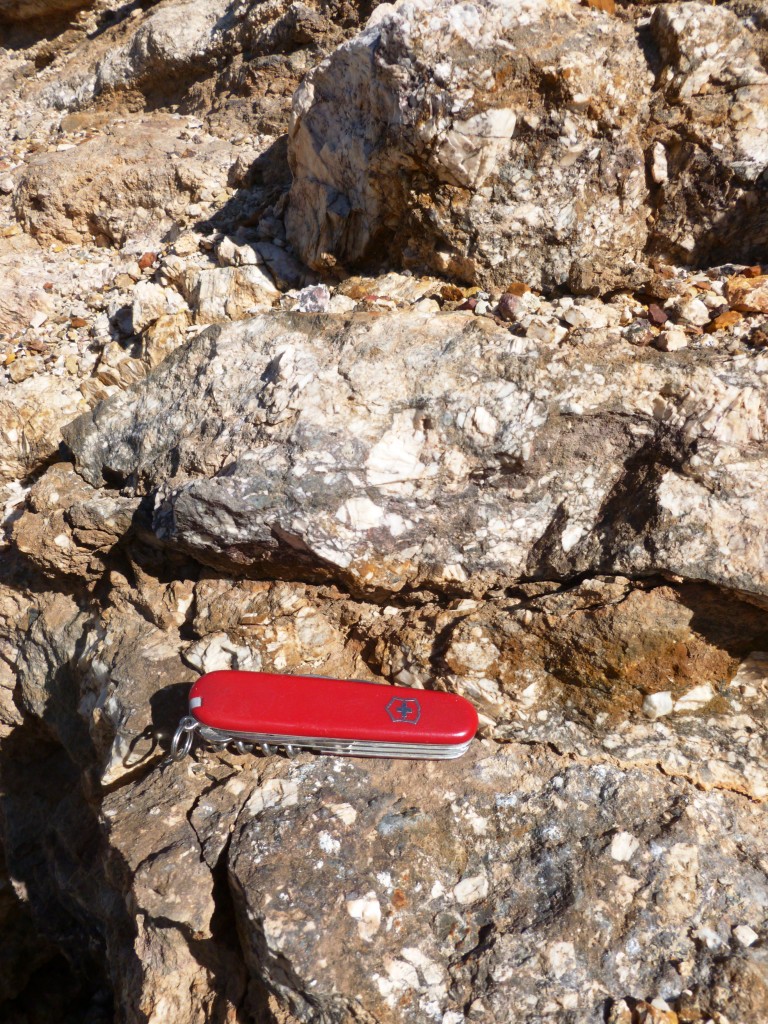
<point>443,450</point>
<point>549,143</point>
<point>459,386</point>
<point>489,141</point>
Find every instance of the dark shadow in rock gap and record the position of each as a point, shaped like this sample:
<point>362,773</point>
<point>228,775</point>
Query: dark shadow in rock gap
<point>22,35</point>
<point>167,707</point>
<point>110,18</point>
<point>702,191</point>
<point>253,217</point>
<point>52,843</point>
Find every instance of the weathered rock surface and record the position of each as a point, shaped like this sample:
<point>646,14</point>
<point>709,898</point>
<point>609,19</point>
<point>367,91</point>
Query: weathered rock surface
<point>554,506</point>
<point>490,142</point>
<point>131,181</point>
<point>423,450</point>
<point>711,122</point>
<point>529,141</point>
<point>453,884</point>
<point>31,415</point>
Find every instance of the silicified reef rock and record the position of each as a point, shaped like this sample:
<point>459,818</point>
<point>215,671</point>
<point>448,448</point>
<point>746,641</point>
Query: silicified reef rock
<point>488,141</point>
<point>710,126</point>
<point>467,900</point>
<point>547,142</point>
<point>443,451</point>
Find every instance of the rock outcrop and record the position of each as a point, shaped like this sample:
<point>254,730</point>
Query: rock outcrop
<point>522,460</point>
<point>427,450</point>
<point>548,143</point>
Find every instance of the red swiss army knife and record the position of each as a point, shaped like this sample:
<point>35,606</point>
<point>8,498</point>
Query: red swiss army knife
<point>327,716</point>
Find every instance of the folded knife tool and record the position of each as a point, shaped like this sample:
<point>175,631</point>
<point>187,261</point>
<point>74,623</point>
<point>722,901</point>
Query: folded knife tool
<point>285,713</point>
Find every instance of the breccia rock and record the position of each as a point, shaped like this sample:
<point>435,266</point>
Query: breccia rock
<point>31,414</point>
<point>549,143</point>
<point>710,116</point>
<point>442,450</point>
<point>68,528</point>
<point>563,526</point>
<point>489,142</point>
<point>172,47</point>
<point>453,883</point>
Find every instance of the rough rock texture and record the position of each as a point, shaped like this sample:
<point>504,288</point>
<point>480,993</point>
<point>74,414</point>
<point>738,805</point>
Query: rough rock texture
<point>711,122</point>
<point>484,144</point>
<point>553,505</point>
<point>119,184</point>
<point>30,420</point>
<point>456,882</point>
<point>427,450</point>
<point>533,141</point>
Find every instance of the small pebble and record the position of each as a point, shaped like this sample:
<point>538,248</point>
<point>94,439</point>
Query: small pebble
<point>426,306</point>
<point>586,317</point>
<point>656,315</point>
<point>314,299</point>
<point>723,320</point>
<point>639,333</point>
<point>508,306</point>
<point>695,312</point>
<point>671,340</point>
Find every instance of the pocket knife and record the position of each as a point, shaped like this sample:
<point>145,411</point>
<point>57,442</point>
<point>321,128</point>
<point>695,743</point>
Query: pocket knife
<point>327,716</point>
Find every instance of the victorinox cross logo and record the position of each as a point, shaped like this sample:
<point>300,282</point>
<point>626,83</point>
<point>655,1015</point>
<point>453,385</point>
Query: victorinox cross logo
<point>405,710</point>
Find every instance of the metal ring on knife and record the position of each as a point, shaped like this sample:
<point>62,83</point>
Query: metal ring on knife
<point>183,738</point>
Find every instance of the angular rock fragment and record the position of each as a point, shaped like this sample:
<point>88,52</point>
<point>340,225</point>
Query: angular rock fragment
<point>486,142</point>
<point>228,293</point>
<point>69,529</point>
<point>748,294</point>
<point>31,416</point>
